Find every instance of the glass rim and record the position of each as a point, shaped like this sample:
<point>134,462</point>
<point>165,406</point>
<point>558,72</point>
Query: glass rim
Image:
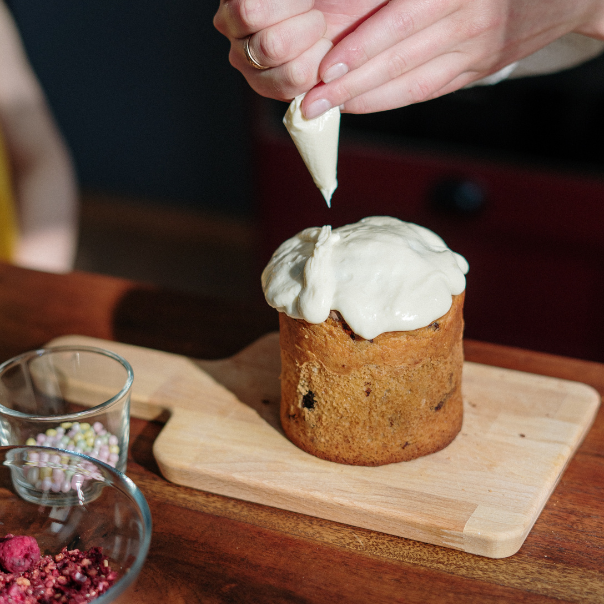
<point>40,352</point>
<point>129,488</point>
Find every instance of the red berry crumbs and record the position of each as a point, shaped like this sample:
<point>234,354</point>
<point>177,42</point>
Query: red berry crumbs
<point>18,554</point>
<point>70,577</point>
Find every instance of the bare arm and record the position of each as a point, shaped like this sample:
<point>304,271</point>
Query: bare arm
<point>43,175</point>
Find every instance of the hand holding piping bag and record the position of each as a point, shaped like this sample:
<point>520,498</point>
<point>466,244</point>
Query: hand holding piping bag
<point>278,47</point>
<point>376,55</point>
<point>371,55</point>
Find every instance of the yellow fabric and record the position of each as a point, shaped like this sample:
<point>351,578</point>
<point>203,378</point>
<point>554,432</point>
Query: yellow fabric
<point>8,217</point>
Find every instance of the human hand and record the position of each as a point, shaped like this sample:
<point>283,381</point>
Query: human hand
<point>390,54</point>
<point>290,37</point>
<point>415,50</point>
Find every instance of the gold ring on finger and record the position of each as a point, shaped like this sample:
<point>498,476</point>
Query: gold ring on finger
<point>251,59</point>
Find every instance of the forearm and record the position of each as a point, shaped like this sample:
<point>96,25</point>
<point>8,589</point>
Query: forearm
<point>47,197</point>
<point>42,174</point>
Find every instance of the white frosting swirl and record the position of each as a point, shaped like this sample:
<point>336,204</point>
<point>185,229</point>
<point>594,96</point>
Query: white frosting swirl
<point>381,274</point>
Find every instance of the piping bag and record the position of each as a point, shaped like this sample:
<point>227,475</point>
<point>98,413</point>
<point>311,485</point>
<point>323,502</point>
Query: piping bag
<point>317,139</point>
<point>317,143</point>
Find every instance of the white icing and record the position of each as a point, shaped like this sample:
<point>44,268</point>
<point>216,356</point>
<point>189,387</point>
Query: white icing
<point>317,142</point>
<point>381,274</point>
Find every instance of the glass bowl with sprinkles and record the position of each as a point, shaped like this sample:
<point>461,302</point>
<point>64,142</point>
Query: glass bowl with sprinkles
<point>75,398</point>
<point>49,476</point>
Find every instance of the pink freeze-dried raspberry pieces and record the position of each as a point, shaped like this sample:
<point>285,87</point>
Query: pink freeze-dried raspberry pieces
<point>71,576</point>
<point>18,554</point>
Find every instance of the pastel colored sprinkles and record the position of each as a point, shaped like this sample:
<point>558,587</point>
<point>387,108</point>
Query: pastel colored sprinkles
<point>59,473</point>
<point>94,441</point>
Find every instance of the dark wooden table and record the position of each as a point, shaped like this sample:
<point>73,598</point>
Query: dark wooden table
<point>208,548</point>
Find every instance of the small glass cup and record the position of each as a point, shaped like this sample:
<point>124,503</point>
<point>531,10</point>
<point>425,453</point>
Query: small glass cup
<point>75,398</point>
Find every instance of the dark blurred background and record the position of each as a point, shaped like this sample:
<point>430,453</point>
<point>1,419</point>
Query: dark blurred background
<point>144,94</point>
<point>189,179</point>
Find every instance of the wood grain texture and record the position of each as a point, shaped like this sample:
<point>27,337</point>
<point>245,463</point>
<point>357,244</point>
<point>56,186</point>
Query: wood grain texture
<point>238,551</point>
<point>481,495</point>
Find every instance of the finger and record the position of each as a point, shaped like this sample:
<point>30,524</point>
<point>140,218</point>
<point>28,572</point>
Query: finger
<point>240,18</point>
<point>344,16</point>
<point>405,56</point>
<point>457,83</point>
<point>283,42</point>
<point>396,21</point>
<point>291,79</point>
<point>419,84</point>
<point>465,79</point>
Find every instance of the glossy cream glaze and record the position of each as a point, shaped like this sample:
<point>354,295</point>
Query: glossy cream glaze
<point>317,143</point>
<point>381,274</point>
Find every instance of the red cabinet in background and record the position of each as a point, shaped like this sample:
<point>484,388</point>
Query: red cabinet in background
<point>534,238</point>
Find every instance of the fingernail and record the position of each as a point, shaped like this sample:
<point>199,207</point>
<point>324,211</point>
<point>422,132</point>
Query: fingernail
<point>317,108</point>
<point>334,72</point>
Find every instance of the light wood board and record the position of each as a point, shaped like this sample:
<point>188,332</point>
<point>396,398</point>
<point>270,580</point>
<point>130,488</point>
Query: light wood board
<point>481,495</point>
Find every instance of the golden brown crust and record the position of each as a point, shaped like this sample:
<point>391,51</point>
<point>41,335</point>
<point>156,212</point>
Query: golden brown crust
<point>372,402</point>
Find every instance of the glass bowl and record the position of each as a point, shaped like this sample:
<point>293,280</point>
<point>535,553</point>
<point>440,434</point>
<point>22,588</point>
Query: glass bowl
<point>107,510</point>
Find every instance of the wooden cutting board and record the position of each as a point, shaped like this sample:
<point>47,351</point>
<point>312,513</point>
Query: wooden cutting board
<point>481,495</point>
